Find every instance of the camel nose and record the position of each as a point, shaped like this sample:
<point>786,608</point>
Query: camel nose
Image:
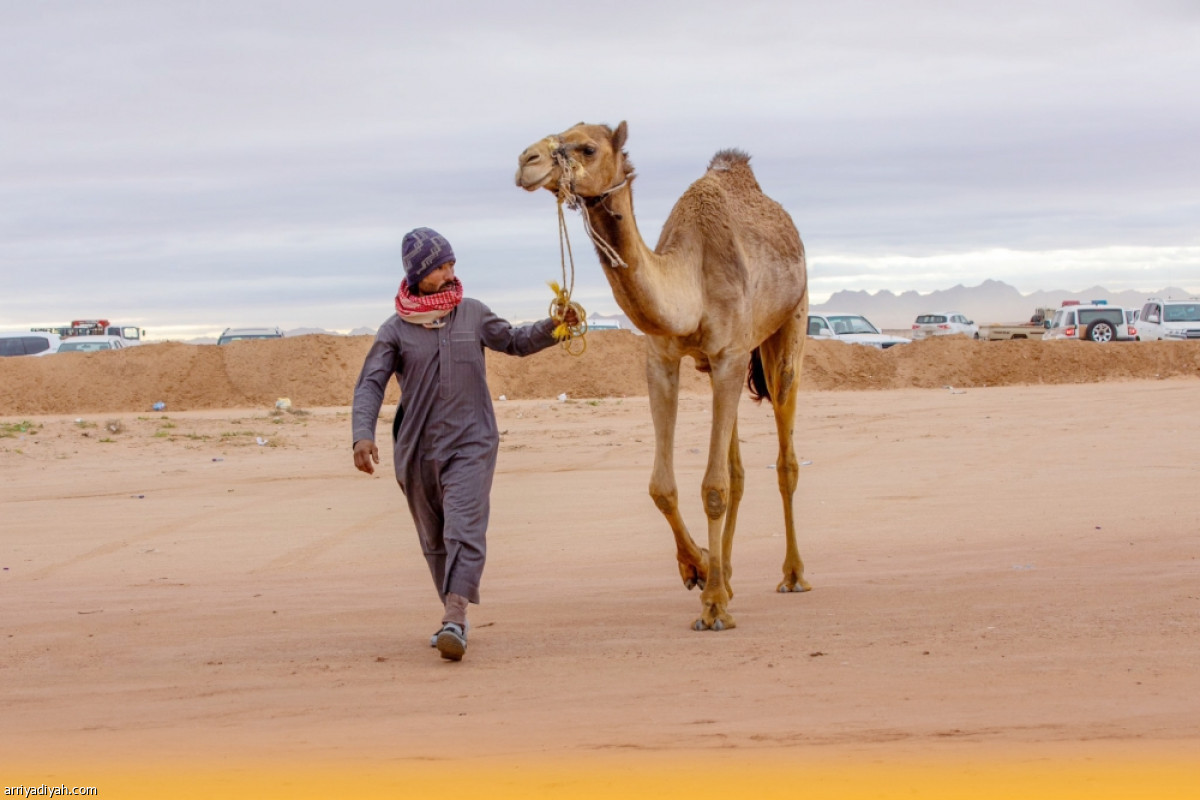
<point>530,156</point>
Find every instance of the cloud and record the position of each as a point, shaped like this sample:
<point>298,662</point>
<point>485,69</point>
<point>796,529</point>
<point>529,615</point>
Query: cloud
<point>179,160</point>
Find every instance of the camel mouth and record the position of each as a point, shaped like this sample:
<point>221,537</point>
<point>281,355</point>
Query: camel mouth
<point>531,181</point>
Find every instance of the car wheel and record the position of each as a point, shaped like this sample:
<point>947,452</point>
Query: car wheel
<point>1101,331</point>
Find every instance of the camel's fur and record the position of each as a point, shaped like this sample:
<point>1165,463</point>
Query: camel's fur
<point>727,278</point>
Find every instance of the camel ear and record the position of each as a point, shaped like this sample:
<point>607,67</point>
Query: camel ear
<point>618,139</point>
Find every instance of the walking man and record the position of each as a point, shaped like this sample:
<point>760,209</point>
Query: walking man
<point>445,438</point>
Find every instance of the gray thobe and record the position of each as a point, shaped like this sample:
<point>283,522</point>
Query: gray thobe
<point>446,445</point>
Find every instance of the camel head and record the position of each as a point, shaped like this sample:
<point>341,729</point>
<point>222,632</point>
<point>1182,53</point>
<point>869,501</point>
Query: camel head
<point>586,159</point>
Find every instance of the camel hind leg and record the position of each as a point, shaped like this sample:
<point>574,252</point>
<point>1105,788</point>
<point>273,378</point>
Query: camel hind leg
<point>783,356</point>
<point>737,487</point>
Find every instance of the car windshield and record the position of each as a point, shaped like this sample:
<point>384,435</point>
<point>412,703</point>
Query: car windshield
<point>931,319</point>
<point>84,347</point>
<point>851,323</point>
<point>1184,312</point>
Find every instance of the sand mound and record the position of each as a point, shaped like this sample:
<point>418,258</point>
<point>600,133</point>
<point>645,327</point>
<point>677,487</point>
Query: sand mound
<point>320,370</point>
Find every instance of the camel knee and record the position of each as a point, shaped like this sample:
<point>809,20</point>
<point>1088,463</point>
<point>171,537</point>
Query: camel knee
<point>716,500</point>
<point>666,499</point>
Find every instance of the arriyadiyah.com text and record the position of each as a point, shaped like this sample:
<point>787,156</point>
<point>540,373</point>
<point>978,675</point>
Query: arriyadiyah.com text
<point>50,791</point>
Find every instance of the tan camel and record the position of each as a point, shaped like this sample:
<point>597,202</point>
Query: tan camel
<point>726,285</point>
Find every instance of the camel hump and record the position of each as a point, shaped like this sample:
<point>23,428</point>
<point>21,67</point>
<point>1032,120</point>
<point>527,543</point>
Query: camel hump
<point>726,160</point>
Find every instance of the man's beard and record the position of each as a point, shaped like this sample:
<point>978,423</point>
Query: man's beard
<point>443,287</point>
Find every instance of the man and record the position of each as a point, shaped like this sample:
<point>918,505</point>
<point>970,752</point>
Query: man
<point>445,436</point>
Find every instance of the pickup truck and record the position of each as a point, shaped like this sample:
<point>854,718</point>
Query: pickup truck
<point>129,335</point>
<point>1034,329</point>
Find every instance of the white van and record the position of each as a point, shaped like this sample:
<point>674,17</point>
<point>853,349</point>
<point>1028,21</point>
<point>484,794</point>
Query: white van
<point>29,343</point>
<point>1169,320</point>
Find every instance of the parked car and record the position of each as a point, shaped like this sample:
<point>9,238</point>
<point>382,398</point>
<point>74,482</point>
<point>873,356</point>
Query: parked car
<point>944,323</point>
<point>91,344</point>
<point>237,334</point>
<point>1170,320</point>
<point>28,343</point>
<point>1092,322</point>
<point>852,328</point>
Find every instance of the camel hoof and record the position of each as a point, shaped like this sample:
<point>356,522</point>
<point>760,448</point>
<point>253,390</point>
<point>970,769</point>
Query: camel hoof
<point>716,625</point>
<point>784,588</point>
<point>692,575</point>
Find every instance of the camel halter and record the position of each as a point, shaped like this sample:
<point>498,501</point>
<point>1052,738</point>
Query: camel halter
<point>566,194</point>
<point>572,336</point>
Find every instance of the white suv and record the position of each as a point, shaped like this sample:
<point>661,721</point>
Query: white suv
<point>29,343</point>
<point>1093,322</point>
<point>944,323</point>
<point>850,328</point>
<point>238,334</point>
<point>1170,320</point>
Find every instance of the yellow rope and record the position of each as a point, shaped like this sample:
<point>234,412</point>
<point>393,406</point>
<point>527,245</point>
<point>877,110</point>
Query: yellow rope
<point>571,336</point>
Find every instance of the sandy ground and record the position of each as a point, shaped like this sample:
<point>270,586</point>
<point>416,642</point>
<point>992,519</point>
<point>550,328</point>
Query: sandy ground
<point>1006,569</point>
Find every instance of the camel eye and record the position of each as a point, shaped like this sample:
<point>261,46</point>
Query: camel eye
<point>589,150</point>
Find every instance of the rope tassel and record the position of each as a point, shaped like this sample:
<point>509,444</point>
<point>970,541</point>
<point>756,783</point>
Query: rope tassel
<point>571,336</point>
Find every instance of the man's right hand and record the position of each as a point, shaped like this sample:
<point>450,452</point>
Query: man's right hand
<point>366,455</point>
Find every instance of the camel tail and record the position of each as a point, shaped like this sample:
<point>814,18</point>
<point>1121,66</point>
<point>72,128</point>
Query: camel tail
<point>756,378</point>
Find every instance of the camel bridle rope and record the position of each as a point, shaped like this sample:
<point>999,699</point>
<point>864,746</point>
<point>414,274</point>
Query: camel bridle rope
<point>572,336</point>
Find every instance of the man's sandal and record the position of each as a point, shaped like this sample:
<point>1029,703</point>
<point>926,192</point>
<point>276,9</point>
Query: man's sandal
<point>433,639</point>
<point>451,641</point>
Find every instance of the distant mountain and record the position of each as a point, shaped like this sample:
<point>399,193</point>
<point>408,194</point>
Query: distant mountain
<point>991,302</point>
<point>305,331</point>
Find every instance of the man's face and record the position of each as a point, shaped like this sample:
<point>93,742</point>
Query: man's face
<point>439,280</point>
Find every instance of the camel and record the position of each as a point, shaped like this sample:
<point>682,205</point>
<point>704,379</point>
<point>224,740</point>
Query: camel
<point>727,285</point>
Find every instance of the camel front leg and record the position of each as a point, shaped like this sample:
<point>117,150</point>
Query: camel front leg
<point>716,491</point>
<point>662,378</point>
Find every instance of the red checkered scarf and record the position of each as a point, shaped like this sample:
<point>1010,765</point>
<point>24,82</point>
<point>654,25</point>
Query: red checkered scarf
<point>426,309</point>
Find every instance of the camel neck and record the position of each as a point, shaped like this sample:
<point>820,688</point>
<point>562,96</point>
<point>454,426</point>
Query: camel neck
<point>658,295</point>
